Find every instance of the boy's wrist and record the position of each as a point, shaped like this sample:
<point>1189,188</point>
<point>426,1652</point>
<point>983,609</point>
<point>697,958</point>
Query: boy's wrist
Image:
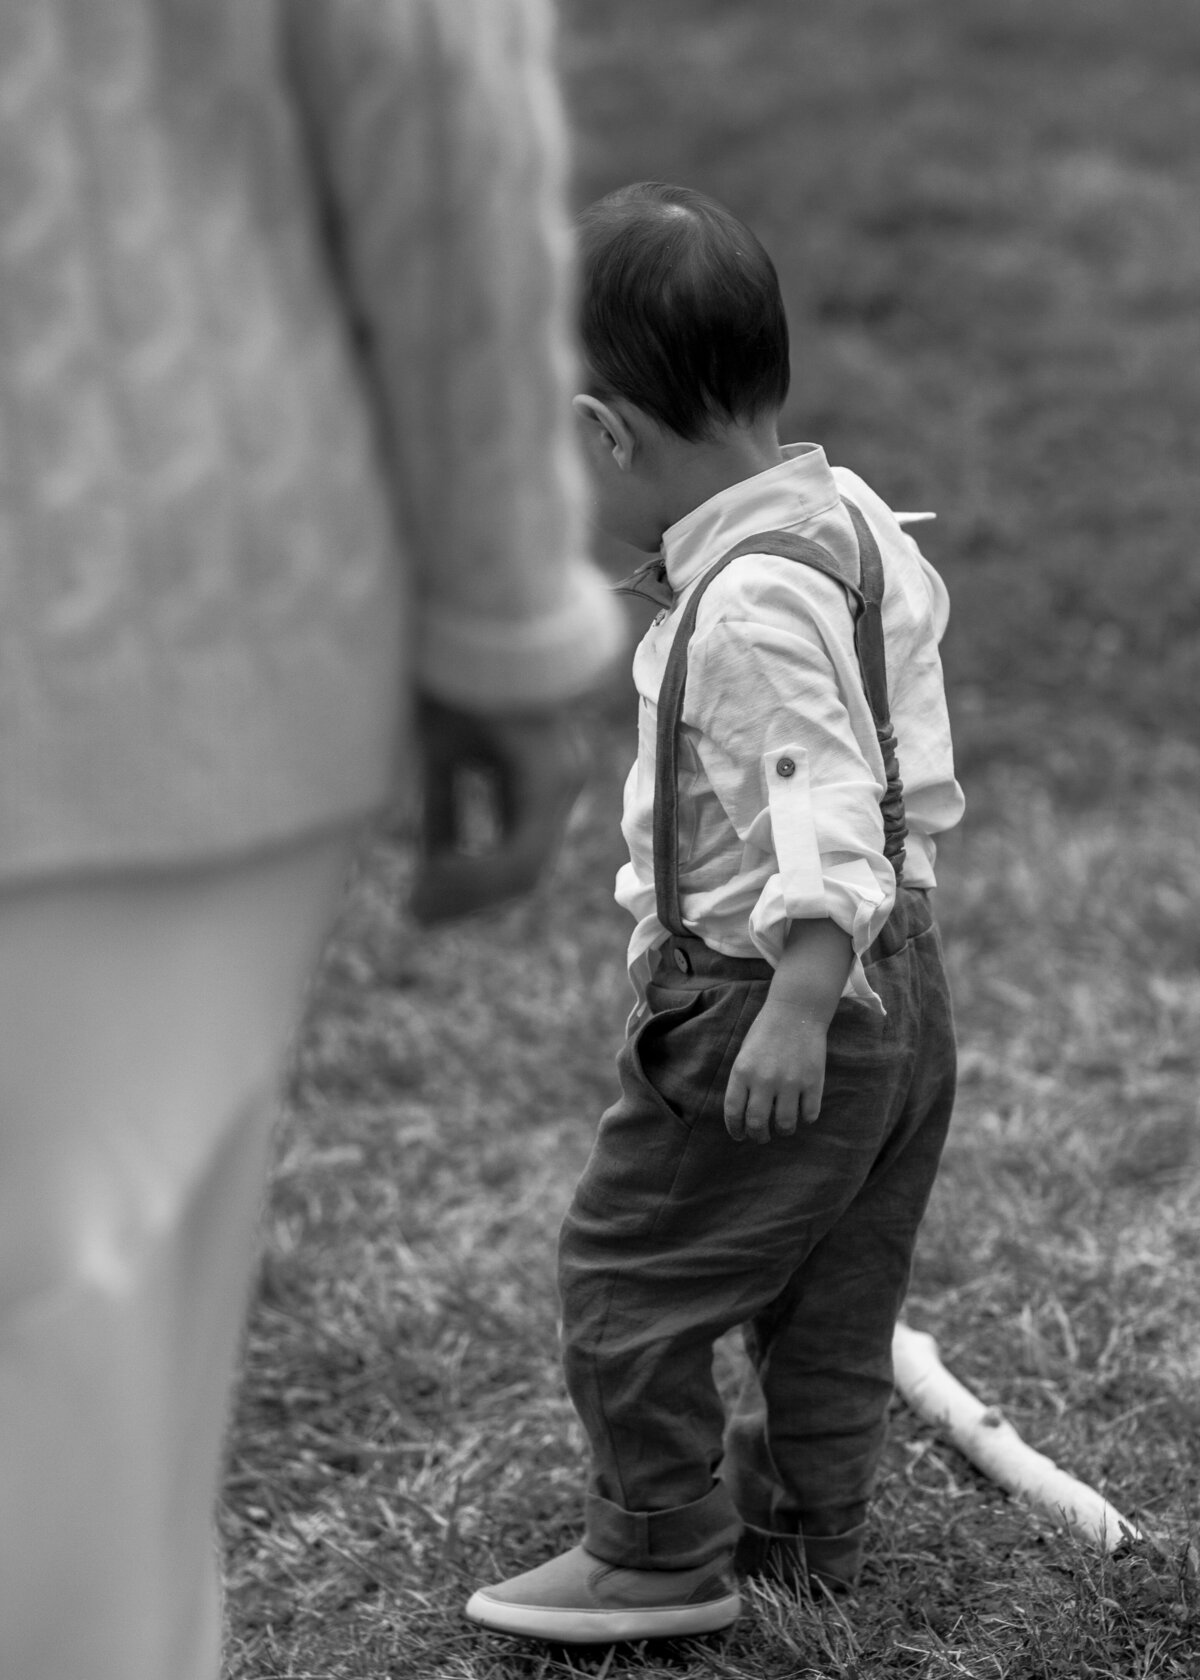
<point>812,971</point>
<point>802,1006</point>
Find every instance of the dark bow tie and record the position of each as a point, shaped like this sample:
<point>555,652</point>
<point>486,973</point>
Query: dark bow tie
<point>650,582</point>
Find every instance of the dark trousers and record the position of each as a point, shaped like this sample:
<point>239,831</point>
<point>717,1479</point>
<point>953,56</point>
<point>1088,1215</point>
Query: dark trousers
<point>677,1234</point>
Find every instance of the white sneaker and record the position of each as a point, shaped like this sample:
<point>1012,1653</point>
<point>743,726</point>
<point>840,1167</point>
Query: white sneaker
<point>579,1599</point>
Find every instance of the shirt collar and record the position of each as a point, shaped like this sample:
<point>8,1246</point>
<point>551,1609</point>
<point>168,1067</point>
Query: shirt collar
<point>782,497</point>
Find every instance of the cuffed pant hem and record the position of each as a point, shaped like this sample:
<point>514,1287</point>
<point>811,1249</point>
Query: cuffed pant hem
<point>832,1560</point>
<point>681,1538</point>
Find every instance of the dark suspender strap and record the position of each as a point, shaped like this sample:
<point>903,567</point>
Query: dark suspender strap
<point>670,710</point>
<point>872,664</point>
<point>866,602</point>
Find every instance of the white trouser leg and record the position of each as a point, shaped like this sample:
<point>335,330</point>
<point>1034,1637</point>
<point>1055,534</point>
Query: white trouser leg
<point>143,1024</point>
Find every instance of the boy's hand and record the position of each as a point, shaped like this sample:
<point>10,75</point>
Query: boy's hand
<point>525,769</point>
<point>778,1076</point>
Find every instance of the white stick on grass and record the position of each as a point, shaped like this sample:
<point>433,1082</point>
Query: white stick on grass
<point>984,1435</point>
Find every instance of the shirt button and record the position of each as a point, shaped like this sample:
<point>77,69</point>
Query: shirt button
<point>681,962</point>
<point>786,766</point>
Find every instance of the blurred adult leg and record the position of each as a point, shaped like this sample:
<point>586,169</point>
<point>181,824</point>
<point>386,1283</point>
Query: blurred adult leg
<point>143,1025</point>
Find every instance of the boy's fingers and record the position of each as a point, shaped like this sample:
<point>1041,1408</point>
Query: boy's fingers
<point>758,1125</point>
<point>756,1111</point>
<point>810,1102</point>
<point>759,1113</point>
<point>787,1110</point>
<point>736,1093</point>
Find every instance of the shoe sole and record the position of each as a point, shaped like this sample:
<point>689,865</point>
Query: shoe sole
<point>603,1627</point>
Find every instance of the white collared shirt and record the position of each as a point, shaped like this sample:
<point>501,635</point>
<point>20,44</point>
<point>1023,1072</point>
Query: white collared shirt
<point>773,678</point>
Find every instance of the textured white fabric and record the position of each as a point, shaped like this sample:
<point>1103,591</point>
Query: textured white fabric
<point>780,769</point>
<point>283,368</point>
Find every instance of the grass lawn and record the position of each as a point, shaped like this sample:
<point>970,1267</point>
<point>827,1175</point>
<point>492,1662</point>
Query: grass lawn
<point>984,215</point>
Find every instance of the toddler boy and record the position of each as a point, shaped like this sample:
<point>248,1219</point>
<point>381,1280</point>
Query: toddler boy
<point>788,1074</point>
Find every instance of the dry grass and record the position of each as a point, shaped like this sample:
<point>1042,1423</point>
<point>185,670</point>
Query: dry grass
<point>403,1431</point>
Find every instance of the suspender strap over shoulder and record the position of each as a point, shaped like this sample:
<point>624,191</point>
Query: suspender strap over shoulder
<point>872,664</point>
<point>866,596</point>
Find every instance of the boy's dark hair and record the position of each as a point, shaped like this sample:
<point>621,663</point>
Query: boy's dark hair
<point>681,311</point>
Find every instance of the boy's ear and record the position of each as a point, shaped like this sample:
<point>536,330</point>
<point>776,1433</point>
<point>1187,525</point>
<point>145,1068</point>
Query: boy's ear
<point>610,429</point>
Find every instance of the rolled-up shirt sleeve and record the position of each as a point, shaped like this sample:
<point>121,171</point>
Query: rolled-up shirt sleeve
<point>777,744</point>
